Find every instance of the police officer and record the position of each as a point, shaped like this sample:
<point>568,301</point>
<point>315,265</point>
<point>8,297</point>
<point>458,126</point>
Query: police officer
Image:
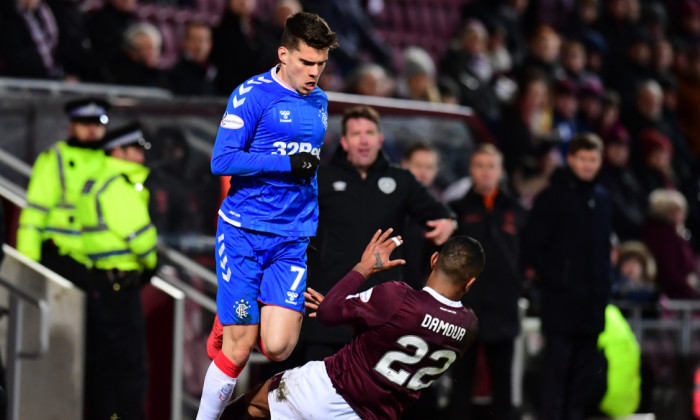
<point>120,241</point>
<point>48,231</point>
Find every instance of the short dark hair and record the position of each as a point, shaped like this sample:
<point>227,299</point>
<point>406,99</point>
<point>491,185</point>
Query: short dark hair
<point>420,146</point>
<point>311,29</point>
<point>461,259</point>
<point>586,141</point>
<point>196,24</point>
<point>362,111</point>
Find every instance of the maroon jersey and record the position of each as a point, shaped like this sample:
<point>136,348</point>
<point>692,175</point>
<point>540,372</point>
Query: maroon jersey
<point>405,340</point>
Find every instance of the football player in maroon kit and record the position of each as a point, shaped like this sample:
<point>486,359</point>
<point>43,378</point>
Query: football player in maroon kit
<point>405,339</point>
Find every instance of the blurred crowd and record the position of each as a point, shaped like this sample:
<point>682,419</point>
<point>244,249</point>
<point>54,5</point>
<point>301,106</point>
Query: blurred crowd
<point>537,72</point>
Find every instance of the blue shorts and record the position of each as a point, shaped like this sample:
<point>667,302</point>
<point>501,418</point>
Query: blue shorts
<point>257,267</point>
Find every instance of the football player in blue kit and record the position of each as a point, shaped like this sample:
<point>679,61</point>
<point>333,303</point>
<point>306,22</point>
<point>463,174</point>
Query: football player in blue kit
<point>269,142</point>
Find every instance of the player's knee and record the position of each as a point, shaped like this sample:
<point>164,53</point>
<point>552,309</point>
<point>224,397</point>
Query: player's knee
<point>277,350</point>
<point>238,354</point>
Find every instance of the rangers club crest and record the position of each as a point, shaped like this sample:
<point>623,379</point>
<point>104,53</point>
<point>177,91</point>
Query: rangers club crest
<point>324,117</point>
<point>242,308</point>
<point>386,185</point>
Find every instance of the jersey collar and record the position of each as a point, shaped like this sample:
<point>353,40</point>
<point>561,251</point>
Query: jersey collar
<point>442,299</point>
<point>277,79</point>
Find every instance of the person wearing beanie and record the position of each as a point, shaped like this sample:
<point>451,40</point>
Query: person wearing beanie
<point>419,76</point>
<point>47,230</point>
<point>657,171</point>
<point>120,241</point>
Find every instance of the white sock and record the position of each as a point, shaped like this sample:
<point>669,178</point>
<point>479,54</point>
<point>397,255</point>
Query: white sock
<point>216,393</point>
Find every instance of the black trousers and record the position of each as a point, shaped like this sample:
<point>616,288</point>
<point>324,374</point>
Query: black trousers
<point>64,265</point>
<point>570,372</point>
<point>499,360</point>
<point>116,373</point>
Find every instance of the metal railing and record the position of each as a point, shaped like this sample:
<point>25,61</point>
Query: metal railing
<point>678,317</point>
<point>178,342</point>
<point>15,352</point>
<point>33,86</point>
<point>177,289</point>
<point>18,297</point>
<point>10,191</point>
<point>17,165</point>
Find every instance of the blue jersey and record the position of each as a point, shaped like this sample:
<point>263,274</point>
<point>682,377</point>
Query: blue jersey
<point>264,122</point>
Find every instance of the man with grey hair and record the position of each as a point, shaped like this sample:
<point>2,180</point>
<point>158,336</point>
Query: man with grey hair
<point>139,63</point>
<point>419,76</point>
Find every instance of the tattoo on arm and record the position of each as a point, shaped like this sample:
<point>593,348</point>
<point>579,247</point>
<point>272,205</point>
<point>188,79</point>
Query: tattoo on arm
<point>380,263</point>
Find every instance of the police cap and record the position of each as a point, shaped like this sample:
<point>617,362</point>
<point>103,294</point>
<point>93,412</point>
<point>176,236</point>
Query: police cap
<point>88,110</point>
<point>127,135</point>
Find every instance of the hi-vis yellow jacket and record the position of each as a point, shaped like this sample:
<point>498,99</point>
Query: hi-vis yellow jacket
<point>112,209</point>
<point>57,177</point>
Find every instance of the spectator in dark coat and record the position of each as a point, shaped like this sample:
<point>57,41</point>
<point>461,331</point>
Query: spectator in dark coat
<point>635,68</point>
<point>467,64</point>
<point>657,171</point>
<point>357,34</point>
<point>615,27</point>
<point>627,194</point>
<point>239,28</point>
<point>565,107</point>
<point>29,45</point>
<point>648,113</point>
<point>194,74</point>
<point>506,13</point>
<point>665,235</point>
<point>359,192</point>
<point>567,242</point>
<point>543,56</point>
<point>272,31</point>
<point>573,61</point>
<point>139,63</point>
<point>494,218</point>
<point>106,27</point>
<point>422,159</point>
<point>527,138</point>
<point>75,49</point>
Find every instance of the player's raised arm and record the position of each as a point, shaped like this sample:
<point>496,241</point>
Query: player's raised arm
<point>236,131</point>
<point>374,259</point>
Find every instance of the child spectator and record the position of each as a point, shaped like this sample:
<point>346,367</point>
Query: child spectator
<point>635,273</point>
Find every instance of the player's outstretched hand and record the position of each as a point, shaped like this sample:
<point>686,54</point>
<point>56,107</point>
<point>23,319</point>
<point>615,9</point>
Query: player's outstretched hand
<point>304,164</point>
<point>441,230</point>
<point>376,255</point>
<point>313,299</point>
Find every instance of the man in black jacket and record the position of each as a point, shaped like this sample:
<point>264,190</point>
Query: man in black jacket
<point>194,73</point>
<point>359,192</point>
<point>567,242</point>
<point>494,218</point>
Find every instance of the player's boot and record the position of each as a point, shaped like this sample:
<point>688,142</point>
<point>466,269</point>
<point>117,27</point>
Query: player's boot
<point>216,339</point>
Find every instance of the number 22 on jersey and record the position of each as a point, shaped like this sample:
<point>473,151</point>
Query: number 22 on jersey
<point>400,376</point>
